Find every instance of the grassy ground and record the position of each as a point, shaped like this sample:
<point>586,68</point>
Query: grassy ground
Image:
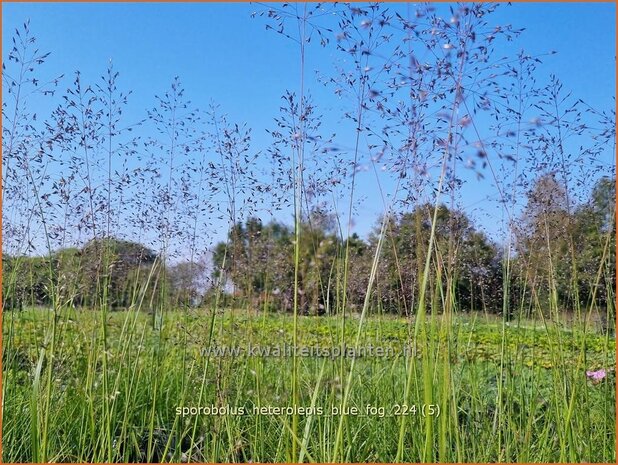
<point>517,392</point>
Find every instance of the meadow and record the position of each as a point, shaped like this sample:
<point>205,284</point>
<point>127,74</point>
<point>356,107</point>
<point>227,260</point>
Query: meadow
<point>179,286</point>
<point>546,409</point>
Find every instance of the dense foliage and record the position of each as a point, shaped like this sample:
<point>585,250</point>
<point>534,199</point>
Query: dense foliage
<point>257,262</point>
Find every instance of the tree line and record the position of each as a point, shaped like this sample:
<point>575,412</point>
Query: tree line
<point>560,248</point>
<point>108,271</point>
<point>259,258</point>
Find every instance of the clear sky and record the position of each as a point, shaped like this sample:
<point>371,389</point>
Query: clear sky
<point>223,55</point>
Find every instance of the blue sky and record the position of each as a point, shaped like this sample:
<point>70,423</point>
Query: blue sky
<point>223,55</point>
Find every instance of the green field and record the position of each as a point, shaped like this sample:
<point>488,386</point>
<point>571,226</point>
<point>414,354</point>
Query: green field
<point>509,392</point>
